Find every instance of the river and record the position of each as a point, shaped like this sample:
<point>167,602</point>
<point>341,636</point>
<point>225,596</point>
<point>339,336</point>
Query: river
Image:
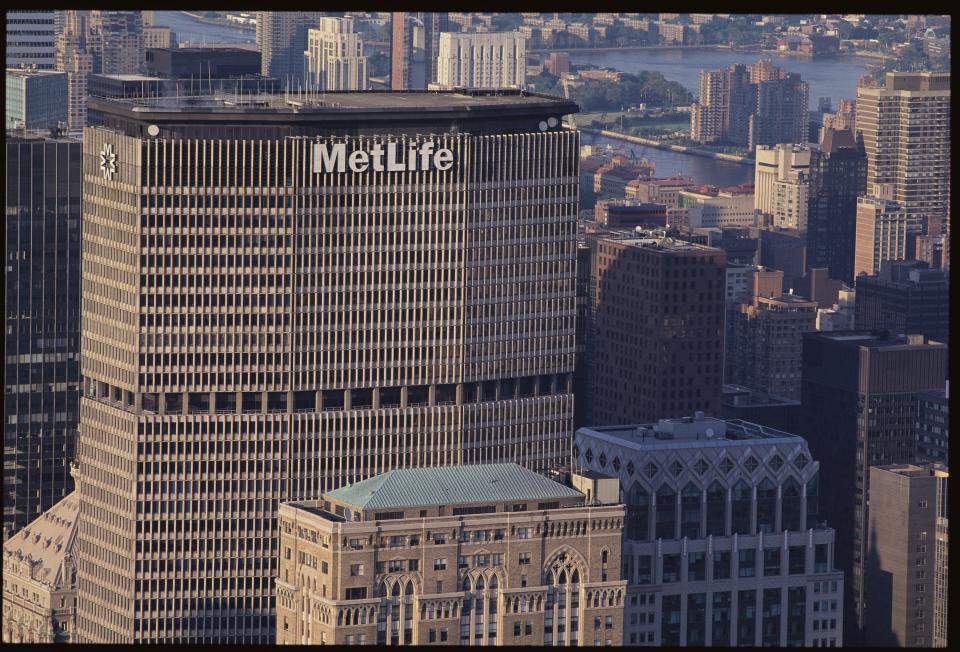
<point>190,29</point>
<point>833,77</point>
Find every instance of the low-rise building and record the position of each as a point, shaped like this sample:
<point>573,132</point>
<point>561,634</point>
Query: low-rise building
<point>40,578</point>
<point>723,543</point>
<point>472,555</point>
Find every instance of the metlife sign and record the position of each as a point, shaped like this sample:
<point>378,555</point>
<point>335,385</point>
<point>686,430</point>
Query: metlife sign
<point>380,157</point>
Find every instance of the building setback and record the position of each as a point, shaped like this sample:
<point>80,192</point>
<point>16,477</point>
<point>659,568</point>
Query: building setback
<point>905,297</point>
<point>837,177</point>
<point>350,328</point>
<point>42,318</point>
<point>724,544</point>
<point>905,602</point>
<point>658,315</point>
<point>859,396</point>
<point>474,555</point>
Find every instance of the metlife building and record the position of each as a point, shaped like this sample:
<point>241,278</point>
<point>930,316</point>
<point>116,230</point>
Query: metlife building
<point>286,294</point>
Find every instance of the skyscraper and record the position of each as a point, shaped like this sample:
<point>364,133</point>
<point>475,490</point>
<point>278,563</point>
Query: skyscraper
<point>325,327</point>
<point>906,135</point>
<point>933,425</point>
<point>120,36</point>
<point>905,562</point>
<point>415,48</point>
<point>282,41</point>
<point>905,297</point>
<point>781,113</point>
<point>657,329</point>
<point>30,38</point>
<point>859,396</point>
<point>837,177</point>
<point>35,98</point>
<point>482,60</point>
<point>334,56</point>
<point>780,184</point>
<point>724,542</point>
<point>881,234</point>
<point>42,317</point>
<point>77,55</point>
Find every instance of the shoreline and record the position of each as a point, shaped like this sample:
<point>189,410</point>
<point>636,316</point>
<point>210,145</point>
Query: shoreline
<point>681,149</point>
<point>219,23</point>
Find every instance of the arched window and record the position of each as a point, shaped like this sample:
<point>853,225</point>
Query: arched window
<point>395,592</point>
<point>408,589</point>
<point>479,585</point>
<point>741,507</point>
<point>493,582</point>
<point>466,583</point>
<point>791,514</point>
<point>766,506</point>
<point>562,577</point>
<point>666,512</point>
<point>575,577</point>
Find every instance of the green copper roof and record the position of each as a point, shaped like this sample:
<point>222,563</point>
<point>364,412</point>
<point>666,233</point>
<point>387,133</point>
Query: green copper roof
<point>451,485</point>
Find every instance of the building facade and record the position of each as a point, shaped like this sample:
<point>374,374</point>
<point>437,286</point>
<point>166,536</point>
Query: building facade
<point>658,314</point>
<point>42,317</point>
<point>838,175</point>
<point>35,98</point>
<point>905,126</point>
<point>77,54</point>
<point>905,297</point>
<point>334,57</point>
<point>40,578</point>
<point>724,544</point>
<point>490,60</point>
<point>905,607</point>
<point>352,327</point>
<point>933,426</point>
<point>30,38</point>
<point>282,40</point>
<point>474,555</point>
<point>415,48</point>
<point>881,234</point>
<point>780,184</point>
<point>859,396</point>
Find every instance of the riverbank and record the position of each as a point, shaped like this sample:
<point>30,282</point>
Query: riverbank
<point>629,48</point>
<point>717,156</point>
<point>218,21</point>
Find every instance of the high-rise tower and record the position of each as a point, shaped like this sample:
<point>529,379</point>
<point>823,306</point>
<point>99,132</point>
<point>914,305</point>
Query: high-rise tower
<point>283,298</point>
<point>415,48</point>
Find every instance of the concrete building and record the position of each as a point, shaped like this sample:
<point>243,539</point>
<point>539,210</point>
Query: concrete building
<point>30,38</point>
<point>817,286</point>
<point>882,227</point>
<point>471,555</point>
<point>859,396</point>
<point>933,426</point>
<point>838,176</point>
<point>905,607</point>
<point>202,64</point>
<point>657,328</point>
<point>905,297</point>
<point>905,126</point>
<point>40,578</point>
<point>780,184</point>
<point>718,209</point>
<point>120,35</point>
<point>783,249</point>
<point>77,50</point>
<point>432,358</point>
<point>841,316</point>
<point>490,60</point>
<point>282,40</point>
<point>764,345</point>
<point>415,48</point>
<point>664,190</point>
<point>334,57</point>
<point>34,98</point>
<point>724,544</point>
<point>42,323</point>
<point>158,36</point>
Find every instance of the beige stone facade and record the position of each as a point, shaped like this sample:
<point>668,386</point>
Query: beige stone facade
<point>40,578</point>
<point>511,571</point>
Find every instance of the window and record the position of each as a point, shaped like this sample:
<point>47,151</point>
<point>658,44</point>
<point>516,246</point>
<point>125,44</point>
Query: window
<point>747,562</point>
<point>356,570</point>
<point>721,564</point>
<point>443,634</point>
<point>516,629</point>
<point>433,635</point>
<point>523,533</point>
<point>439,586</point>
<point>440,564</point>
<point>771,561</point>
<point>439,538</point>
<point>696,567</point>
<point>798,562</point>
<point>523,558</point>
<point>359,593</point>
<point>671,568</point>
<point>666,513</point>
<point>608,622</point>
<point>324,567</point>
<point>413,564</point>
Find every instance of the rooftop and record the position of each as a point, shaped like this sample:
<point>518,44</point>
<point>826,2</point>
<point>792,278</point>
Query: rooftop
<point>875,339</point>
<point>32,72</point>
<point>450,485</point>
<point>741,396</point>
<point>46,541</point>
<point>915,470</point>
<point>688,432</point>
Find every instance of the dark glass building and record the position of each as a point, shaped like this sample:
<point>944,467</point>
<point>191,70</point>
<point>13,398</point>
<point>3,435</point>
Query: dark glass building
<point>933,426</point>
<point>859,410</point>
<point>42,341</point>
<point>905,297</point>
<point>838,174</point>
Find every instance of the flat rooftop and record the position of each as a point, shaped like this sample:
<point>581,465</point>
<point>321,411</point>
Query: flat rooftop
<point>688,432</point>
<point>451,485</point>
<point>337,102</point>
<point>874,339</point>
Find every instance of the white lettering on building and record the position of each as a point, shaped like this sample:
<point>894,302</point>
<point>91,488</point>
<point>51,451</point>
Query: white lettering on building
<point>329,158</point>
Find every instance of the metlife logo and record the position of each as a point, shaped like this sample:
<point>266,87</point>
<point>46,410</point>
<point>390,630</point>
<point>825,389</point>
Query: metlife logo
<point>391,157</point>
